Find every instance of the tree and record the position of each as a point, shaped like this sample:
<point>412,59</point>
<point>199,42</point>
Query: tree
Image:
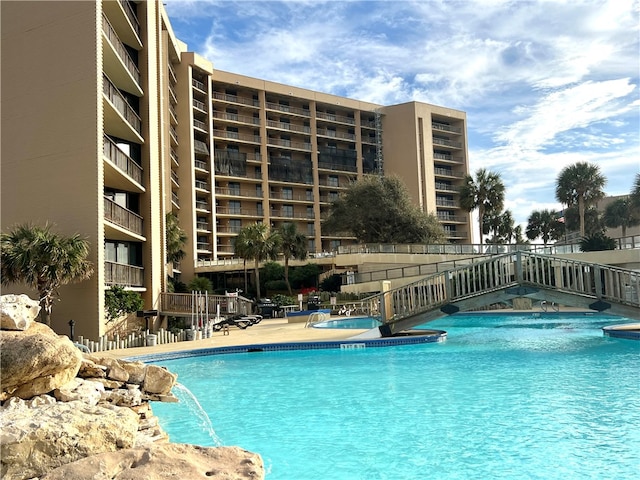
<point>44,261</point>
<point>621,213</point>
<point>501,224</point>
<point>258,243</point>
<point>635,192</point>
<point>580,184</point>
<point>200,284</point>
<point>485,193</point>
<point>293,245</point>
<point>544,224</point>
<point>378,209</point>
<point>597,242</point>
<point>593,223</point>
<point>176,238</point>
<point>118,302</point>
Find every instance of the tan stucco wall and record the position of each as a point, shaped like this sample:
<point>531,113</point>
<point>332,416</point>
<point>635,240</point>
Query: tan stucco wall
<point>52,170</point>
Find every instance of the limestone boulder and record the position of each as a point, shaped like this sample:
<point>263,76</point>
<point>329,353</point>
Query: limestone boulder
<point>35,440</point>
<point>36,361</point>
<point>17,312</point>
<point>158,380</point>
<point>162,461</point>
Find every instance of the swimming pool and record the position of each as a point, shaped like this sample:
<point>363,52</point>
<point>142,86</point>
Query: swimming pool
<point>545,396</point>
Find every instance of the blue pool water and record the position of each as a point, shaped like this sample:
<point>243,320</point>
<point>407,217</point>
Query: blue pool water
<point>544,396</point>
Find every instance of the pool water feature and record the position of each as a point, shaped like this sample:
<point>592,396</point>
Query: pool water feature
<point>528,396</point>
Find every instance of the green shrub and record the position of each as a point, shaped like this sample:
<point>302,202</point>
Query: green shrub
<point>118,302</point>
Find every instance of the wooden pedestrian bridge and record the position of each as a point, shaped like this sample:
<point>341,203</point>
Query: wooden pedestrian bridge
<point>501,278</point>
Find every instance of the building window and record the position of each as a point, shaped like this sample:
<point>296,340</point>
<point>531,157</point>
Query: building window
<point>287,211</point>
<point>235,225</point>
<point>309,195</point>
<point>235,207</point>
<point>333,181</point>
<point>234,188</point>
<point>287,193</point>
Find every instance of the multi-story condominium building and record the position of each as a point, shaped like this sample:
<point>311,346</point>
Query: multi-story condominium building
<point>109,123</point>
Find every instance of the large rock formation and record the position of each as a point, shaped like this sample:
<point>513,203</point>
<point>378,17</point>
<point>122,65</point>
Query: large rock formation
<point>36,361</point>
<point>17,312</point>
<point>60,408</point>
<point>157,461</point>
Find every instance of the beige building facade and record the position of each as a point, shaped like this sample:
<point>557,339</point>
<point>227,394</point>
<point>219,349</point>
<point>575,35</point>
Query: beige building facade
<point>109,123</point>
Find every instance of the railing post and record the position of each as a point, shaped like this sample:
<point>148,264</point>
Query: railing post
<point>518,265</point>
<point>385,301</point>
<point>597,274</point>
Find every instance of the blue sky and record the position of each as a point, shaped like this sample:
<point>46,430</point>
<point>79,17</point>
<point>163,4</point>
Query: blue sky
<point>544,83</point>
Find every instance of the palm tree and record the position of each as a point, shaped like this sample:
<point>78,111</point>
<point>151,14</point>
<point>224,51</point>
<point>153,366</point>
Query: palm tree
<point>485,193</point>
<point>621,213</point>
<point>175,238</point>
<point>44,261</point>
<point>258,243</point>
<point>293,245</point>
<point>544,224</point>
<point>580,184</point>
<point>635,192</point>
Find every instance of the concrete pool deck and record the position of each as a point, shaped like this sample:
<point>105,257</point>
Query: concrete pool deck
<point>276,330</point>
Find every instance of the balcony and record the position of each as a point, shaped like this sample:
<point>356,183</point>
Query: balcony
<point>237,136</point>
<point>332,117</point>
<point>122,217</point>
<point>115,53</point>
<point>203,247</point>
<point>174,199</point>
<point>280,142</point>
<point>123,275</point>
<point>174,157</point>
<point>174,178</point>
<point>234,211</point>
<point>173,134</point>
<point>443,202</point>
<point>446,172</point>
<point>203,227</point>
<point>121,120</point>
<point>448,218</point>
<point>223,97</point>
<point>202,206</point>
<point>325,132</point>
<point>290,214</point>
<point>125,22</point>
<point>446,143</point>
<point>199,85</point>
<point>200,185</point>
<point>124,166</point>
<point>446,187</point>
<point>288,109</point>
<point>200,125</point>
<point>200,165</point>
<point>445,128</point>
<point>337,166</point>
<point>236,192</point>
<point>236,118</point>
<point>199,105</point>
<point>289,127</point>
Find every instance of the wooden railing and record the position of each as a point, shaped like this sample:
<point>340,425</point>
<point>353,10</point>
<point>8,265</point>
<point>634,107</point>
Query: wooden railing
<point>187,304</point>
<point>123,275</point>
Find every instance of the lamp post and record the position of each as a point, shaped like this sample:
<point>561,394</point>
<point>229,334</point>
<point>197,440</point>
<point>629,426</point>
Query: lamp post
<point>72,326</point>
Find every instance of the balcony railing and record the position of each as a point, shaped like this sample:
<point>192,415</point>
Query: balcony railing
<point>250,212</point>
<point>122,216</point>
<point>234,117</point>
<point>289,144</point>
<point>234,192</point>
<point>335,118</point>
<point>121,160</point>
<point>446,187</point>
<point>120,49</point>
<point>174,156</point>
<point>199,105</point>
<point>288,126</point>
<point>202,185</point>
<point>337,166</point>
<point>288,109</point>
<point>235,99</point>
<point>445,172</point>
<point>236,136</point>
<point>443,217</point>
<point>229,229</point>
<point>174,199</point>
<point>203,226</point>
<point>441,202</point>
<point>445,128</point>
<point>290,214</point>
<point>174,177</point>
<point>202,206</point>
<point>335,134</point>
<point>123,274</point>
<point>120,104</point>
<point>447,143</point>
<point>131,15</point>
<point>199,124</point>
<point>201,165</point>
<point>198,84</point>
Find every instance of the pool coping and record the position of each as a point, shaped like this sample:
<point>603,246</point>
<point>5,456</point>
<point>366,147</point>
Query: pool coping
<point>411,338</point>
<point>628,331</point>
